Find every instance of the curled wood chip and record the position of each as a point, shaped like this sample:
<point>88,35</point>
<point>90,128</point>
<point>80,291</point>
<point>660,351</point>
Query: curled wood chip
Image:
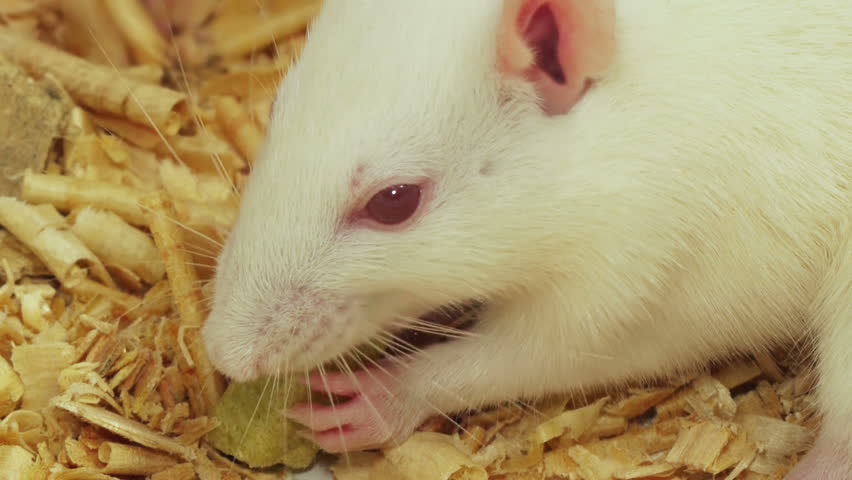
<point>79,455</point>
<point>121,459</point>
<point>67,193</point>
<point>118,243</point>
<point>20,260</point>
<point>44,231</point>
<point>98,87</point>
<point>35,304</point>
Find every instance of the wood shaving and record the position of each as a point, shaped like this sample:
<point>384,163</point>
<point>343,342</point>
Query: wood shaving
<point>113,214</point>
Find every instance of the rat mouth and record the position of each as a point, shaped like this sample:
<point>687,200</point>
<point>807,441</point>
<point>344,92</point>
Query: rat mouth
<point>438,326</point>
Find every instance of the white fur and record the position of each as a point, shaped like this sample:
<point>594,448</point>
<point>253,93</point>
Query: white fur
<point>686,209</point>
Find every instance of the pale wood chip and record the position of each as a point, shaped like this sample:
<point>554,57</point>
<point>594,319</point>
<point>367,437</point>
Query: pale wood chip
<point>129,429</point>
<point>15,462</point>
<point>139,31</point>
<point>183,471</point>
<point>769,367</point>
<point>733,376</point>
<point>184,285</point>
<point>655,470</point>
<point>235,36</point>
<point>39,366</point>
<point>638,402</point>
<point>11,388</point>
<point>699,446</point>
<point>776,440</point>
<point>571,424</point>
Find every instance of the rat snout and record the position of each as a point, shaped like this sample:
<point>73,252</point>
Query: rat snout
<point>228,347</point>
<point>296,331</point>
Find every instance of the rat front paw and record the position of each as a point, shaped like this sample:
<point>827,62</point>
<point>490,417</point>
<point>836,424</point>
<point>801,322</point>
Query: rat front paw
<point>375,413</point>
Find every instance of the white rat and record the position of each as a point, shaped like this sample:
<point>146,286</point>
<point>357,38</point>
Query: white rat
<point>628,188</point>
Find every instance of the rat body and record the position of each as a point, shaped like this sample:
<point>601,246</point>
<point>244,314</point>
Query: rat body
<point>630,189</point>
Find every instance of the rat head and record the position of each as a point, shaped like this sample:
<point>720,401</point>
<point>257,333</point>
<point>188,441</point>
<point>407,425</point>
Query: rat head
<point>398,173</point>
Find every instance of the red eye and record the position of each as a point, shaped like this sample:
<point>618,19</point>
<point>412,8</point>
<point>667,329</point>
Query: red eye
<point>394,205</point>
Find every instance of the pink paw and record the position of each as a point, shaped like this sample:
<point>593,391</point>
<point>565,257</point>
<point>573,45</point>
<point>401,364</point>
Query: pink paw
<point>825,461</point>
<point>370,417</point>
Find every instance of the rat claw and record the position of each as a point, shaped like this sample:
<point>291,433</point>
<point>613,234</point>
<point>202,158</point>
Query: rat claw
<point>349,439</point>
<point>346,384</point>
<point>321,417</point>
<point>368,419</point>
<point>335,383</point>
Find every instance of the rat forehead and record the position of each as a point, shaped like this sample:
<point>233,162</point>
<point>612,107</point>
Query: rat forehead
<point>391,50</point>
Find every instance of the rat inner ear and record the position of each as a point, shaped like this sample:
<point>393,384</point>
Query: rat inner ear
<point>542,36</point>
<point>558,45</point>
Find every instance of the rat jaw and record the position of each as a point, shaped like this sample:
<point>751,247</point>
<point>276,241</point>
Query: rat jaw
<point>357,335</point>
<point>305,328</point>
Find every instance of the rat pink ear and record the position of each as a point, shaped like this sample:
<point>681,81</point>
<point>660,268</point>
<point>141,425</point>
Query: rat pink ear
<point>559,45</point>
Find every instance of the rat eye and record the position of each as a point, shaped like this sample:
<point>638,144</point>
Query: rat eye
<point>394,205</point>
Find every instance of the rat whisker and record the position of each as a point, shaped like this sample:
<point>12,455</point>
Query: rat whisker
<point>217,159</point>
<point>136,100</point>
<point>410,353</point>
<point>183,225</point>
<point>423,326</point>
<point>344,365</point>
<point>395,341</point>
<point>199,254</point>
<point>528,407</point>
<point>253,413</point>
<point>276,384</point>
<point>310,396</point>
<point>429,404</point>
<point>324,379</point>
